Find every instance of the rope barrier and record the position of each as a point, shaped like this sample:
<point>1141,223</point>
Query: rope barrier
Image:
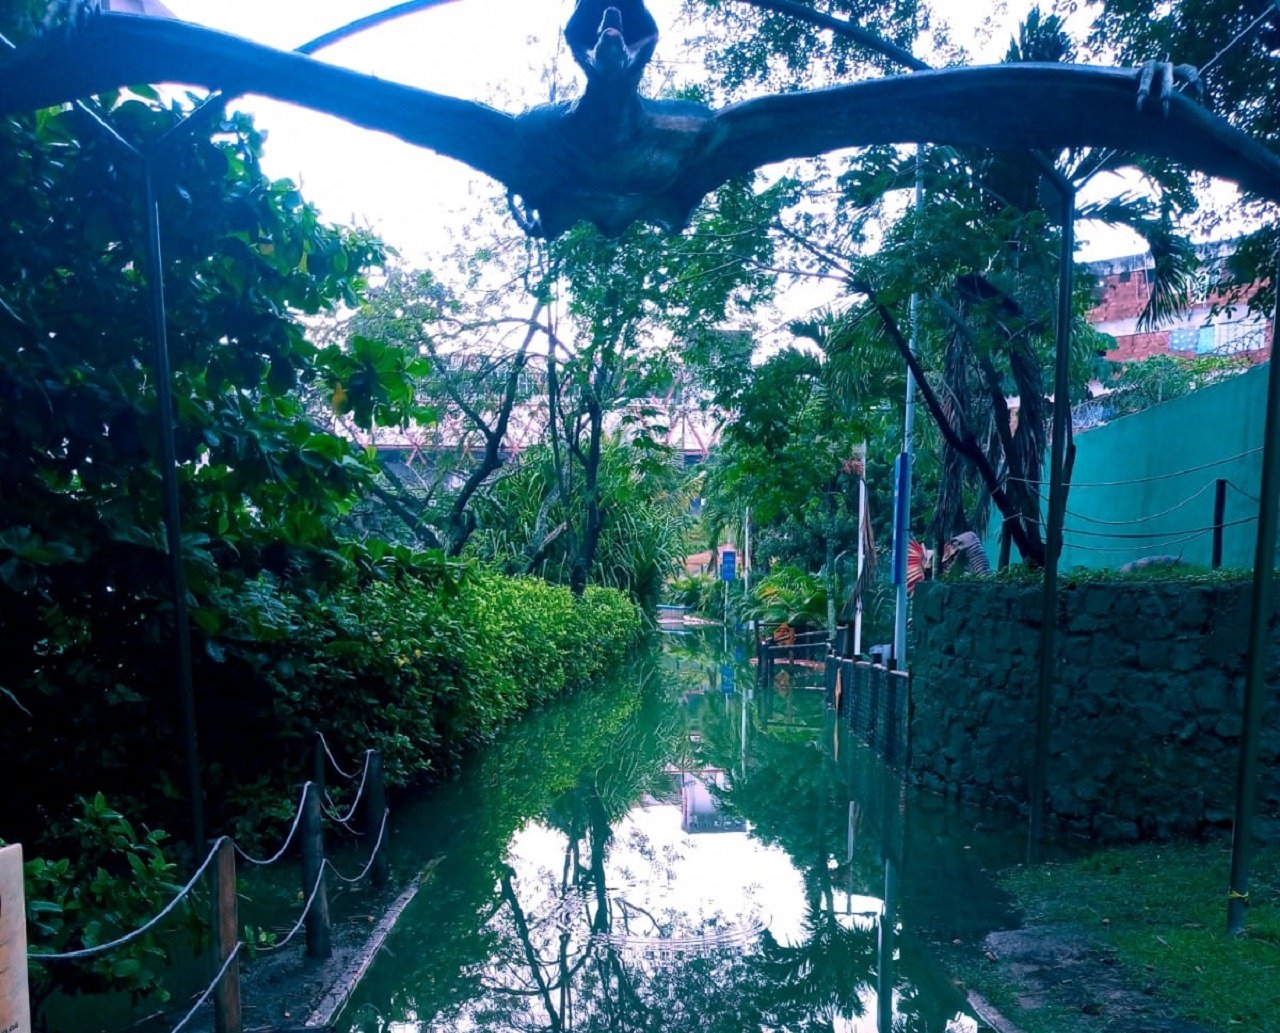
<point>332,760</point>
<point>297,820</point>
<point>332,809</point>
<point>373,856</point>
<point>311,899</point>
<point>1155,534</point>
<point>102,948</point>
<point>235,952</point>
<point>1146,517</point>
<point>1153,477</point>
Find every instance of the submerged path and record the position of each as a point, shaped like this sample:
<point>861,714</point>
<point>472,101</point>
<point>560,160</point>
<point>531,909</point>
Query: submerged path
<point>677,852</point>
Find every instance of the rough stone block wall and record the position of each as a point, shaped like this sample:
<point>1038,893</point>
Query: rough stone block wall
<point>1146,717</point>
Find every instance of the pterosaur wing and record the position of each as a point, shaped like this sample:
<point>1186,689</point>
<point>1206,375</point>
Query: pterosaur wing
<point>109,51</point>
<point>1047,106</point>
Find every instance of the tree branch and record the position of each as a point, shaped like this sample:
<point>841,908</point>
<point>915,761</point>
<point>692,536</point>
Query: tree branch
<point>961,440</point>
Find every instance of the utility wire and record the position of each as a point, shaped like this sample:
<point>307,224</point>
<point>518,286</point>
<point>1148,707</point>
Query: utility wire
<point>1145,517</point>
<point>1157,534</point>
<point>1241,35</point>
<point>1251,498</point>
<point>1153,477</point>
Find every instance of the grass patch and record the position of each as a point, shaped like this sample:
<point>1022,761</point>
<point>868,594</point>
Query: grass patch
<point>1163,909</point>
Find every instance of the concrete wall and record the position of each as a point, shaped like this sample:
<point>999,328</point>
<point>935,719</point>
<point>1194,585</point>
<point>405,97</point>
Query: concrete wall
<point>1147,713</point>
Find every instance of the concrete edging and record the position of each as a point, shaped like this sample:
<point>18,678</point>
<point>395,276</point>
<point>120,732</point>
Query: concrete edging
<point>337,996</point>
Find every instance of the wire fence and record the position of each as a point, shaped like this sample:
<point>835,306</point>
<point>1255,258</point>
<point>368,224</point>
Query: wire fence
<point>1085,532</point>
<point>1169,475</point>
<point>307,821</point>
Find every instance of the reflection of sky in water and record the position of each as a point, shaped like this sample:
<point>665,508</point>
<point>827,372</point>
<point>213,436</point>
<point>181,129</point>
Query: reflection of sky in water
<point>697,893</point>
<point>708,882</point>
<point>740,894</point>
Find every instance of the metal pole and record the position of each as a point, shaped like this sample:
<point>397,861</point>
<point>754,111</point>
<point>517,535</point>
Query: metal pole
<point>886,970</point>
<point>172,518</point>
<point>1255,680</point>
<point>862,559</point>
<point>1219,512</point>
<point>1057,508</point>
<point>908,448</point>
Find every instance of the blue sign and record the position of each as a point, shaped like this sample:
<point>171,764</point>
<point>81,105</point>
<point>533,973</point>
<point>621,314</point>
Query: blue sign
<point>901,516</point>
<point>727,683</point>
<point>728,561</point>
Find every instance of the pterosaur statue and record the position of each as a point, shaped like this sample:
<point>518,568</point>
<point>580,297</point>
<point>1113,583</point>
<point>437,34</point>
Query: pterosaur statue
<point>612,157</point>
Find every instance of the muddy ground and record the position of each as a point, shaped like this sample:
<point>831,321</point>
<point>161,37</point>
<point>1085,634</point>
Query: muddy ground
<point>1063,979</point>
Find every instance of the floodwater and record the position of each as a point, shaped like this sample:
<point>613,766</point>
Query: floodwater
<point>681,850</point>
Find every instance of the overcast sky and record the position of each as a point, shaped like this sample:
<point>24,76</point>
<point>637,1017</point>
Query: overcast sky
<point>489,50</point>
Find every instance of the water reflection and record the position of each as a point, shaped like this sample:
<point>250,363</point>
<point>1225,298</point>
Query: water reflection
<point>671,853</point>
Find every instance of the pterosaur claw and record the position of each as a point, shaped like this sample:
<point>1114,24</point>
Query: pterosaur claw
<point>1170,75</point>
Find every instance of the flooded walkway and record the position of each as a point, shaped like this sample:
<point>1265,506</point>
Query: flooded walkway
<point>680,852</point>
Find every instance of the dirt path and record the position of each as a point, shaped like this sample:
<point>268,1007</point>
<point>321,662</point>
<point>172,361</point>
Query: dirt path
<point>1060,979</point>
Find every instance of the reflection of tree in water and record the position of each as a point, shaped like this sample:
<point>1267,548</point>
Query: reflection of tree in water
<point>559,922</point>
<point>557,969</point>
<point>575,949</point>
<point>804,787</point>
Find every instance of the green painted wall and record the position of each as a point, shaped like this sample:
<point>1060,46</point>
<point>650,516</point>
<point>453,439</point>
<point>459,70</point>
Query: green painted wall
<point>1143,485</point>
<point>1172,510</point>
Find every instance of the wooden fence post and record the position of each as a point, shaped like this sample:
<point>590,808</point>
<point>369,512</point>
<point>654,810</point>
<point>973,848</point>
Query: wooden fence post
<point>317,920</point>
<point>318,764</point>
<point>15,997</point>
<point>226,934</point>
<point>374,815</point>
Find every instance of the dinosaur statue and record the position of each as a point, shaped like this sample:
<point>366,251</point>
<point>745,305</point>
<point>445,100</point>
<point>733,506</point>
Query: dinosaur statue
<point>966,547</point>
<point>613,157</point>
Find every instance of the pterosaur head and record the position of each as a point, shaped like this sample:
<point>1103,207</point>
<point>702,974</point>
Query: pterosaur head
<point>612,40</point>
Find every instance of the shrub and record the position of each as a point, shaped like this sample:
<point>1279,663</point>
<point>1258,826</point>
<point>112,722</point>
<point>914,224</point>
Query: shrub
<point>423,662</point>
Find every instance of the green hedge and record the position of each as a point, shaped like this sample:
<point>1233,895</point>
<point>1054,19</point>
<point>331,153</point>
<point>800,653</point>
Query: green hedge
<point>423,663</point>
<point>419,656</point>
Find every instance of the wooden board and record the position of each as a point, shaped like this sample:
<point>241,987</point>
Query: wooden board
<point>15,1004</point>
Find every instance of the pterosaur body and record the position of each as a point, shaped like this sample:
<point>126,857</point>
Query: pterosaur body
<point>612,156</point>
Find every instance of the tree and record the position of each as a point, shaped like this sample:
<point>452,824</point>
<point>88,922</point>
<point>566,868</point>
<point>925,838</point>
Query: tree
<point>82,557</point>
<point>979,256</point>
<point>1235,44</point>
<point>627,301</point>
<point>468,382</point>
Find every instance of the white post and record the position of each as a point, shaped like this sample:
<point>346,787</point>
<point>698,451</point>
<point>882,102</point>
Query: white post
<point>746,552</point>
<point>15,1000</point>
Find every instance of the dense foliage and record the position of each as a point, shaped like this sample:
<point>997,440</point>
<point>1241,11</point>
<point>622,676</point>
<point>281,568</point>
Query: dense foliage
<point>294,627</point>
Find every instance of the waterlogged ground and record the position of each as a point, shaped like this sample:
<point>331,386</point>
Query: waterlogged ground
<point>677,852</point>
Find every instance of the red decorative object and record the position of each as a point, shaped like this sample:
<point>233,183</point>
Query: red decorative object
<point>918,558</point>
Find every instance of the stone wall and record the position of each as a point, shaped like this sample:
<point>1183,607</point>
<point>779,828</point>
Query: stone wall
<point>1145,731</point>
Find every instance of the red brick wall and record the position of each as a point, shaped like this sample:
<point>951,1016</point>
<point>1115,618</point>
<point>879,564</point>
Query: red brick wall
<point>1122,296</point>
